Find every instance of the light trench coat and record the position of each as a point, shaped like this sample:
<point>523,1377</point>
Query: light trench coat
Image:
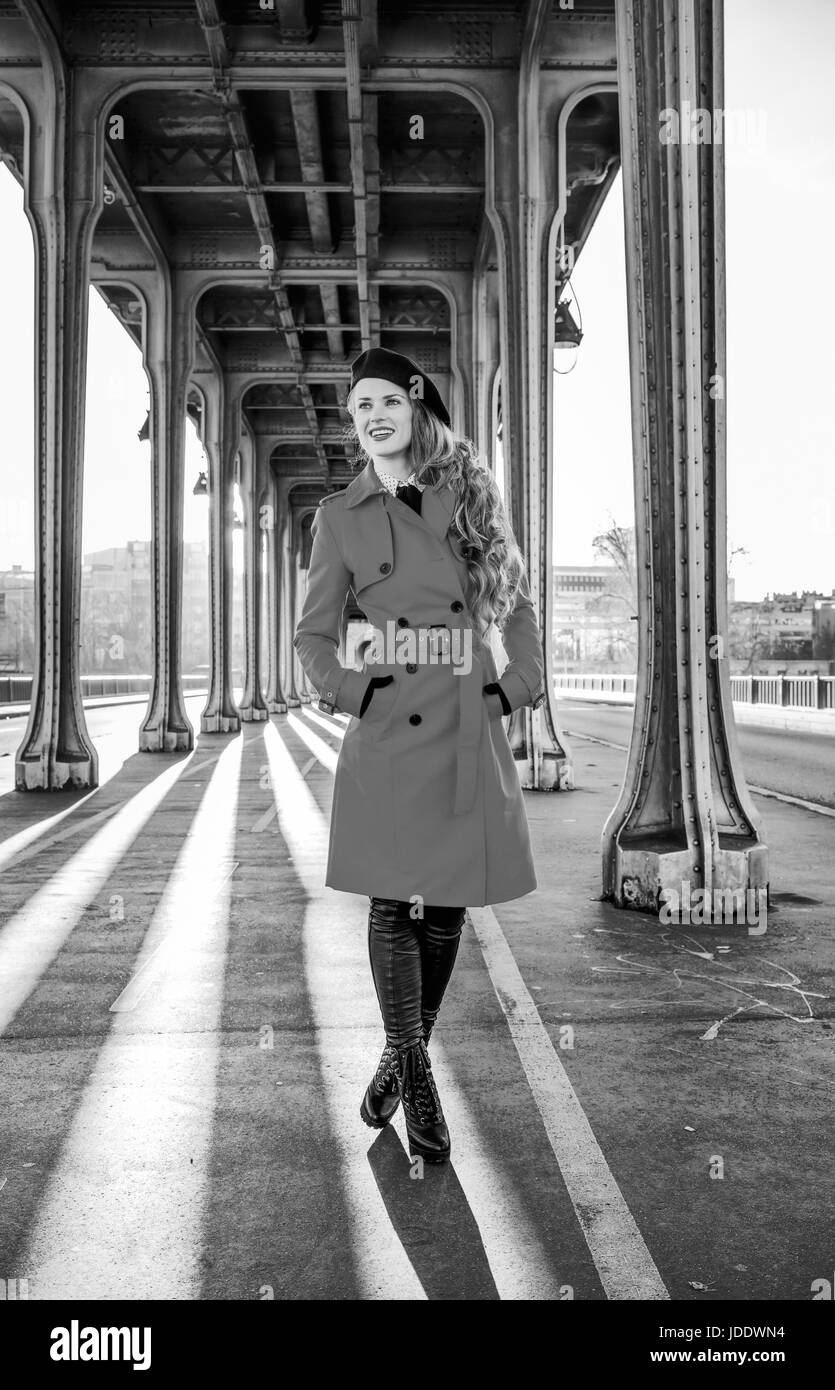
<point>427,800</point>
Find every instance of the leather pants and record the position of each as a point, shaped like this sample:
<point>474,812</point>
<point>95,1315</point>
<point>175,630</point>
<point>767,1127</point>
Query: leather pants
<point>411,962</point>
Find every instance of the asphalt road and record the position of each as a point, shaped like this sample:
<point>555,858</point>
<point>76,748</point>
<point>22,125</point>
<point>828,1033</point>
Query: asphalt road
<point>188,1022</point>
<point>796,764</point>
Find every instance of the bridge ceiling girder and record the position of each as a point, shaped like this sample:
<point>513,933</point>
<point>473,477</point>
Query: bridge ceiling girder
<point>307,180</point>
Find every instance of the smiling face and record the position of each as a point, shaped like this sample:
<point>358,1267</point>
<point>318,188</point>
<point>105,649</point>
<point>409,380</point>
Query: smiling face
<point>382,414</point>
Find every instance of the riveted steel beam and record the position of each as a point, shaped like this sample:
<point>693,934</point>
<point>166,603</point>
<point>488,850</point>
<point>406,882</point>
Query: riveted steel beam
<point>359,27</point>
<point>221,441</point>
<point>253,706</point>
<point>64,196</point>
<point>242,143</point>
<point>309,146</point>
<point>684,813</point>
<point>525,109</point>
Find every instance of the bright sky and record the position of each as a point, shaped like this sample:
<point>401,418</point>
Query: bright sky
<point>781,364</point>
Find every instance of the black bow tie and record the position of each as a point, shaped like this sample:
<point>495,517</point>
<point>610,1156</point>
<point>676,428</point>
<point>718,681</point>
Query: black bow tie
<point>410,494</point>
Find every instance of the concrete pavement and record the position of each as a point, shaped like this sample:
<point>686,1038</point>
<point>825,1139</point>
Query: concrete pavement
<point>189,1022</point>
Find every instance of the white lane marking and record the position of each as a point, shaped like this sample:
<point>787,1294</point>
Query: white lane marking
<point>125,1210</point>
<point>606,743</point>
<point>32,937</point>
<point>758,791</point>
<point>343,992</point>
<point>625,1266</point>
<point>794,801</point>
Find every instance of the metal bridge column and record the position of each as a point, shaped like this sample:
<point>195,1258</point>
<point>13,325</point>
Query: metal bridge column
<point>169,352</point>
<point>276,703</point>
<point>64,196</point>
<point>302,685</point>
<point>684,813</point>
<point>485,344</point>
<point>526,198</point>
<point>288,626</point>
<point>253,706</point>
<point>223,433</point>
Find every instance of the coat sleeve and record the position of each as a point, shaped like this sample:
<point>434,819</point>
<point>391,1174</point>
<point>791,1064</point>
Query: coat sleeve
<point>523,679</point>
<point>317,635</point>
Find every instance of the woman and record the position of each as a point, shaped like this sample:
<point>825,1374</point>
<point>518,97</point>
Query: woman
<point>427,806</point>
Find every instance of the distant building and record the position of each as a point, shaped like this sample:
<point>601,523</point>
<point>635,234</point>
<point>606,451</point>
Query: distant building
<point>782,629</point>
<point>116,608</point>
<point>591,618</point>
<point>823,629</point>
<point>17,619</point>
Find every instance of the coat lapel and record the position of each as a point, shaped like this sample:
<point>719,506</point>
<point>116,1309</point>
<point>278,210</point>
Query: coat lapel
<point>436,508</point>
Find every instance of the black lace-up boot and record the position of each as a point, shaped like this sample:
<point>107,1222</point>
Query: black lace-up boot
<point>425,1124</point>
<point>382,1097</point>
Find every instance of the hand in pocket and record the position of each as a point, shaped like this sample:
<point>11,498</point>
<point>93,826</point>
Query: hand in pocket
<point>372,686</point>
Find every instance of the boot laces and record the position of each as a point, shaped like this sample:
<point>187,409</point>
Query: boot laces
<point>420,1095</point>
<point>385,1077</point>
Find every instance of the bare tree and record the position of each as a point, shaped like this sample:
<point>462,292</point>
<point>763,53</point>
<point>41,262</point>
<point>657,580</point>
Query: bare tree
<point>620,601</point>
<point>617,545</point>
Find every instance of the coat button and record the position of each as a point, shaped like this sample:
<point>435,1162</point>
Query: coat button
<point>411,667</point>
<point>456,606</point>
<point>402,622</point>
<point>385,567</point>
<point>414,719</point>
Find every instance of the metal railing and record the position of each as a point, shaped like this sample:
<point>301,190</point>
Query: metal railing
<point>622,685</point>
<point>17,690</point>
<point>797,692</point>
<point>794,692</point>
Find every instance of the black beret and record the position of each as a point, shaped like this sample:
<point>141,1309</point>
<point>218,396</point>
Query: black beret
<point>393,366</point>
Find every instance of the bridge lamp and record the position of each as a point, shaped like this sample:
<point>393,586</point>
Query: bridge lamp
<point>567,336</point>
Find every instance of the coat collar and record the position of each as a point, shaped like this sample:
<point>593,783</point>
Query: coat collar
<point>436,508</point>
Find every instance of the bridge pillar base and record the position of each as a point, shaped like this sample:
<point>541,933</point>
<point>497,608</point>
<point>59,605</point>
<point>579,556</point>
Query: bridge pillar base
<point>544,765</point>
<point>160,739</point>
<point>254,714</point>
<point>642,874</point>
<point>56,774</point>
<point>220,723</point>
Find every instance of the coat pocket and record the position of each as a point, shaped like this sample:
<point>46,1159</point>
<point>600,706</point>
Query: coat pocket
<point>378,712</point>
<point>495,709</point>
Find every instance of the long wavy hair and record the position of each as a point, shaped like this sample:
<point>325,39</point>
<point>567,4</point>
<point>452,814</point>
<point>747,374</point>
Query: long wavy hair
<point>495,566</point>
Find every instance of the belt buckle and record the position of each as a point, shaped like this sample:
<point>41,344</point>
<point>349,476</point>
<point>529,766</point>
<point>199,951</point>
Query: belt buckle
<point>439,639</point>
